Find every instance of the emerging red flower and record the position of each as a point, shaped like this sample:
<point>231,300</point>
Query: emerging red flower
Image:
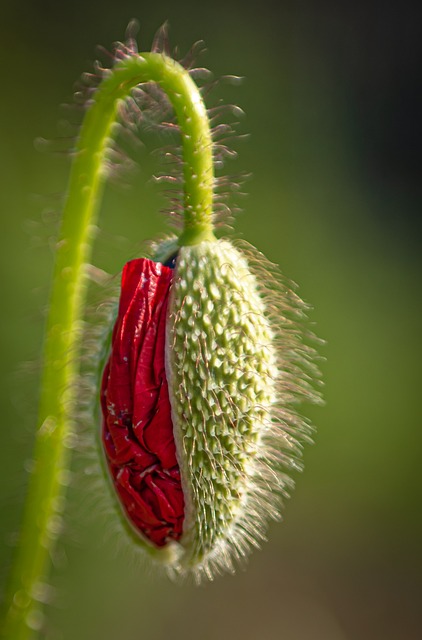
<point>137,426</point>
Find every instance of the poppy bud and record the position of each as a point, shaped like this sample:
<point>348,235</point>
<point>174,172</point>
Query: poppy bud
<point>197,396</point>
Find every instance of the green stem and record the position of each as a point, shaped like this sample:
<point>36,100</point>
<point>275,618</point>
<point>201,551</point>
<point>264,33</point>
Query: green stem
<point>41,522</point>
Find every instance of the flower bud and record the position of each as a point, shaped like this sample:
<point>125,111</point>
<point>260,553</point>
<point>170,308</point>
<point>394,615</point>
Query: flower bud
<point>197,402</point>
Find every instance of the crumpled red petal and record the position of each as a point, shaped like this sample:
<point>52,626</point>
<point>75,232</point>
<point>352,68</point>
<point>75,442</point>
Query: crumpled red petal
<point>137,427</point>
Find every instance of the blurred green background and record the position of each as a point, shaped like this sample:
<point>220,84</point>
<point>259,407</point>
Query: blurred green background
<point>333,106</point>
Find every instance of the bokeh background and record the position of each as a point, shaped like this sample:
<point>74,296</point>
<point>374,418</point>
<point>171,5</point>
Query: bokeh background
<point>333,104</point>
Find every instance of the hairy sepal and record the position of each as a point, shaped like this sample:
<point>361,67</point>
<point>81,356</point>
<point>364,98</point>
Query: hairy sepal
<point>222,372</point>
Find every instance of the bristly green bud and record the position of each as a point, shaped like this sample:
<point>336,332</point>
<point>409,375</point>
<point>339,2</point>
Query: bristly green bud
<point>230,390</point>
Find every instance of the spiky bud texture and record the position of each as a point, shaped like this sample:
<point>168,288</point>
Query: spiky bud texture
<point>221,365</point>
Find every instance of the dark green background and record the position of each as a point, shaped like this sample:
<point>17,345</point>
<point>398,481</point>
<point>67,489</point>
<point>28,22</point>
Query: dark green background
<point>333,107</point>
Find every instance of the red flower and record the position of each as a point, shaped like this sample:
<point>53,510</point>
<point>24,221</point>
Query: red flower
<point>137,427</point>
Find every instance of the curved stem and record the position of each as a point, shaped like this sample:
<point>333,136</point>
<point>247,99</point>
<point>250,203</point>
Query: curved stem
<point>41,523</point>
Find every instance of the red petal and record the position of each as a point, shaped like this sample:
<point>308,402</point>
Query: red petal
<point>137,427</point>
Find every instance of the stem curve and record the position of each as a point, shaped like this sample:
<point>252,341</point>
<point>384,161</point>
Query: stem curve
<point>41,521</point>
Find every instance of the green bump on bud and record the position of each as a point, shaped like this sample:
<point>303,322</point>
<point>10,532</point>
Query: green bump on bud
<point>222,373</point>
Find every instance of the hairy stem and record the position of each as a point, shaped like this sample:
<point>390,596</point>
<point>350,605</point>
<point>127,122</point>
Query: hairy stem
<point>41,523</point>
